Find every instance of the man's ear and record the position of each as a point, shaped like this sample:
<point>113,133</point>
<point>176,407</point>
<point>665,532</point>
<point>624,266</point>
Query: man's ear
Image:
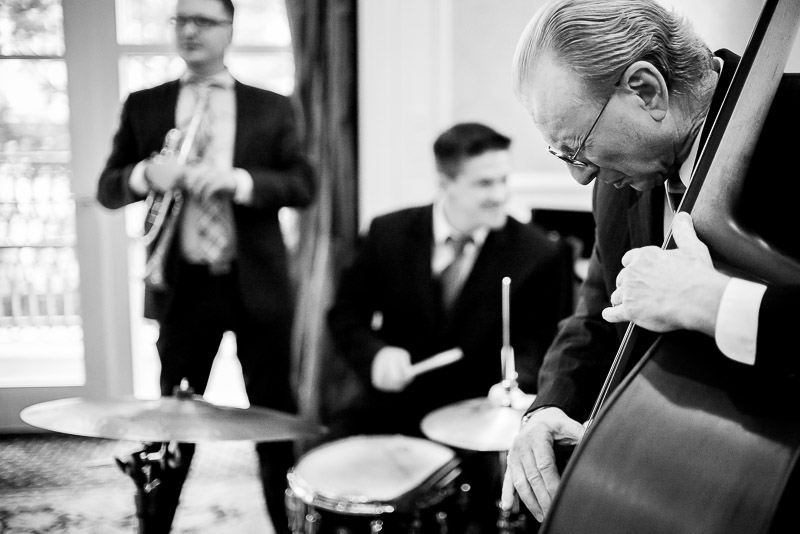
<point>643,79</point>
<point>444,180</point>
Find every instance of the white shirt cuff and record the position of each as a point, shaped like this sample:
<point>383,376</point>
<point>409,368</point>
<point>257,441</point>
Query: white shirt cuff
<point>244,187</point>
<point>737,320</point>
<point>137,181</point>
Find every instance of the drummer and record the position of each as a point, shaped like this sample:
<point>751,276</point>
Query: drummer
<point>427,279</point>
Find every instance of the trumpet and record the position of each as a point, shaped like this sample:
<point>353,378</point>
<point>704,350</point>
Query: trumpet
<point>164,208</point>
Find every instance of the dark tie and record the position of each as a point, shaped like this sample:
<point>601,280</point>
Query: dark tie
<point>453,276</point>
<point>675,191</point>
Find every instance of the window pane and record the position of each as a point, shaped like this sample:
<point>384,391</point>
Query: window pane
<point>40,325</point>
<point>257,22</point>
<point>269,71</point>
<point>34,113</point>
<point>144,21</point>
<point>31,28</point>
<point>141,72</point>
<point>261,22</point>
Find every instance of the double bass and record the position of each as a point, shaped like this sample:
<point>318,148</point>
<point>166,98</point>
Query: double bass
<point>690,441</point>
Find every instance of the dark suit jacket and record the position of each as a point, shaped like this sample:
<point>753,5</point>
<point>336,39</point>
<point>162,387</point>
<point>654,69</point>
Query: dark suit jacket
<point>580,357</point>
<point>266,145</point>
<point>391,274</point>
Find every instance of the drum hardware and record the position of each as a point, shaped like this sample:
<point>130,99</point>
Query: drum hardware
<point>487,424</point>
<point>362,484</point>
<point>160,424</point>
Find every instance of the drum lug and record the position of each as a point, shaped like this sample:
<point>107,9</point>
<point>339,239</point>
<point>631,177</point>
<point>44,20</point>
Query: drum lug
<point>416,524</point>
<point>463,497</point>
<point>441,520</point>
<point>312,522</point>
<point>504,522</point>
<point>510,520</point>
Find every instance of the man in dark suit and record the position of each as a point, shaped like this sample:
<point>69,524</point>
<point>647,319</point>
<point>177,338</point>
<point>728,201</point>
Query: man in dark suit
<point>645,105</point>
<point>391,310</point>
<point>250,167</point>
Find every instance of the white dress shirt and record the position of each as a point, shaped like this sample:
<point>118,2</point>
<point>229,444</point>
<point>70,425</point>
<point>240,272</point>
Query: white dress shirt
<point>443,254</point>
<point>224,105</point>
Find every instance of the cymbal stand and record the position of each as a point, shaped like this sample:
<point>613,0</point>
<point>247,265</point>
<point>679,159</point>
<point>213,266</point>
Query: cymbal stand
<point>507,365</point>
<point>146,467</point>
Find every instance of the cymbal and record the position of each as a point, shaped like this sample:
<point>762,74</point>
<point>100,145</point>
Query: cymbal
<point>474,424</point>
<point>189,419</point>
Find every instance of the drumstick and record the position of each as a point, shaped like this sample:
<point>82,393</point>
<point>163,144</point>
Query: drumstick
<point>437,360</point>
<point>507,351</point>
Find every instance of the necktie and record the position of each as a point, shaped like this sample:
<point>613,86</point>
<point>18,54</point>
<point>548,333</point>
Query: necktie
<point>453,276</point>
<point>209,220</point>
<point>675,191</point>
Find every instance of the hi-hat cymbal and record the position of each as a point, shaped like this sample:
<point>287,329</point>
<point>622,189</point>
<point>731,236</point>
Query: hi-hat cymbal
<point>189,419</point>
<point>474,424</point>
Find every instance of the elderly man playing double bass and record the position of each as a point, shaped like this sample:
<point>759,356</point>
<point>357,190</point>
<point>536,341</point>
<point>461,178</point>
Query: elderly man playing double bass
<point>627,102</point>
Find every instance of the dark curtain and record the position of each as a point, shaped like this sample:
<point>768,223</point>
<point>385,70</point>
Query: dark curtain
<point>324,43</point>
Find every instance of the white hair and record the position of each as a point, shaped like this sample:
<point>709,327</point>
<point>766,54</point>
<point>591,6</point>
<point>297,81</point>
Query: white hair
<point>599,39</point>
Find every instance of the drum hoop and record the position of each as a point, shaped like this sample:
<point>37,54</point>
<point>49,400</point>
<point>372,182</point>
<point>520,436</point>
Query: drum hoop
<point>430,492</point>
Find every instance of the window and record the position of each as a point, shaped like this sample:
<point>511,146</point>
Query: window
<point>39,302</point>
<point>43,331</point>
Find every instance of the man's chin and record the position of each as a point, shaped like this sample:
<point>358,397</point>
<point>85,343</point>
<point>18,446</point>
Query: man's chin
<point>495,223</point>
<point>645,183</point>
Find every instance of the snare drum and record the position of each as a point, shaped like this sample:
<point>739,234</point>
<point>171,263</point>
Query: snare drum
<point>365,484</point>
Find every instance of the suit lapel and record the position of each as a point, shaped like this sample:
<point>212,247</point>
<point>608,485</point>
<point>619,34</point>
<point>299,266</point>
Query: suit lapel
<point>645,218</point>
<point>418,252</point>
<point>158,117</point>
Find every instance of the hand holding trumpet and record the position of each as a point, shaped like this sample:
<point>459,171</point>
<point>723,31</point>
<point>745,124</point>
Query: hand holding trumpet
<point>164,172</point>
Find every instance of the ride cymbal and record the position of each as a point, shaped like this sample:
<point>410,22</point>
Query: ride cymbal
<point>189,419</point>
<point>474,424</point>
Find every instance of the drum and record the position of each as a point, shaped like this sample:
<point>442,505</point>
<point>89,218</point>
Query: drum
<point>365,484</point>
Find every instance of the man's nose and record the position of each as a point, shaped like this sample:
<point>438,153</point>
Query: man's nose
<point>499,192</point>
<point>584,175</point>
<point>189,28</point>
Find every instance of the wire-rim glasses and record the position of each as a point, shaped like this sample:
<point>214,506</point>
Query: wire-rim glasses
<point>201,23</point>
<point>570,160</point>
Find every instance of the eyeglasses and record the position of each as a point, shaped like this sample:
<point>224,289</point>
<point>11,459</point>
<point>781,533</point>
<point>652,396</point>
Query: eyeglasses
<point>570,160</point>
<point>201,23</point>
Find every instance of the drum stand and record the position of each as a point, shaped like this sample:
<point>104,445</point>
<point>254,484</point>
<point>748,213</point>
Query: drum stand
<point>146,467</point>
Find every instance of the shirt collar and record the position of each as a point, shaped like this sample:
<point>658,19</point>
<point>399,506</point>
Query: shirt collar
<point>442,229</point>
<point>222,79</point>
<point>686,168</point>
<point>685,171</point>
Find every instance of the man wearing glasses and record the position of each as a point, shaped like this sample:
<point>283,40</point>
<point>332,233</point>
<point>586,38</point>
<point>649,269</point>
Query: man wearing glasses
<point>225,268</point>
<point>626,102</point>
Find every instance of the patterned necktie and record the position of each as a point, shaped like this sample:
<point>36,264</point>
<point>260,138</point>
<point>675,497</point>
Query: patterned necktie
<point>453,276</point>
<point>210,220</point>
<point>675,191</point>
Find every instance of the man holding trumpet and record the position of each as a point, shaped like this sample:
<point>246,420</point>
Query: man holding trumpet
<point>223,264</point>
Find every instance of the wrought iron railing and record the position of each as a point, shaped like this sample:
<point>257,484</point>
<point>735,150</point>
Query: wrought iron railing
<point>38,264</point>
